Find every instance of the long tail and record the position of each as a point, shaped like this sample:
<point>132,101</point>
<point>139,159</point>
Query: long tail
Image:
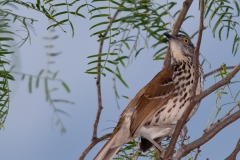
<point>107,152</point>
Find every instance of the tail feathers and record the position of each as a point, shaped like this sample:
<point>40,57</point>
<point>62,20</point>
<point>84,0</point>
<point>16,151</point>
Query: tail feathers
<point>107,153</point>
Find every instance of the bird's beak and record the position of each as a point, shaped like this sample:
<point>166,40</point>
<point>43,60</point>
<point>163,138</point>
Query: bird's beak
<point>169,36</point>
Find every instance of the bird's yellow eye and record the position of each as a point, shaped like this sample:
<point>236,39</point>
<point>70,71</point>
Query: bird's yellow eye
<point>185,40</point>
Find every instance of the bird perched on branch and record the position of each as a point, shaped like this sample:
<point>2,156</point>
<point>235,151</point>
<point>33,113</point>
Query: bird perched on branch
<point>153,113</point>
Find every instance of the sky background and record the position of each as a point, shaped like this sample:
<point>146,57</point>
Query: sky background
<point>30,131</point>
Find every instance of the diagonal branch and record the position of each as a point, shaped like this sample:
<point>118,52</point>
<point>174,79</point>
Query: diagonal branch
<point>184,150</point>
<point>217,70</point>
<point>233,155</point>
<point>176,27</point>
<point>188,110</point>
<point>92,144</point>
<point>205,93</point>
<point>221,83</point>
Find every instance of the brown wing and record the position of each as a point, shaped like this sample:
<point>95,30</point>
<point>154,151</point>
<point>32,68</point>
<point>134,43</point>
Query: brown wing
<point>156,93</point>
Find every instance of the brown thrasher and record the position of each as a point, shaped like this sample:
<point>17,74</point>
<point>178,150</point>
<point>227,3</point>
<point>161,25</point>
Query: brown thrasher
<point>153,113</point>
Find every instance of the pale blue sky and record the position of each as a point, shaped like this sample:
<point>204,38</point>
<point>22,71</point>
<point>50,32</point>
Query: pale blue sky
<point>30,132</point>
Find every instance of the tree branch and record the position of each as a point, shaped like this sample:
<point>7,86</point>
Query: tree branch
<point>197,98</point>
<point>217,70</point>
<point>221,83</point>
<point>184,150</point>
<point>188,110</point>
<point>95,140</point>
<point>233,155</point>
<point>92,144</point>
<point>176,27</point>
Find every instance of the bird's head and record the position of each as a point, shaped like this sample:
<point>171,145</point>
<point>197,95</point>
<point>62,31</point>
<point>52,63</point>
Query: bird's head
<point>181,48</point>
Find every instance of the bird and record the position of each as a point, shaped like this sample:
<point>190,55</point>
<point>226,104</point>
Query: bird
<point>154,111</point>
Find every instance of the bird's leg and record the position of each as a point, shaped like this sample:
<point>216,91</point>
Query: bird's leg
<point>155,144</point>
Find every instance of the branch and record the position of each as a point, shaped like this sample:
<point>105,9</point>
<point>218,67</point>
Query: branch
<point>217,70</point>
<point>188,110</point>
<point>196,99</point>
<point>221,83</point>
<point>233,155</point>
<point>184,150</point>
<point>95,140</point>
<point>92,144</point>
<point>98,82</point>
<point>176,27</point>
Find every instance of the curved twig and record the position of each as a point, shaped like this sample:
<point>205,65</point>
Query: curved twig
<point>176,27</point>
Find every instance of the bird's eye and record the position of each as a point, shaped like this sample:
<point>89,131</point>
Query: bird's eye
<point>185,40</point>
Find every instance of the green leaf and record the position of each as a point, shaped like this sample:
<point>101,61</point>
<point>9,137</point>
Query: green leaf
<point>72,28</point>
<point>55,75</point>
<point>23,76</point>
<point>59,13</point>
<point>46,89</point>
<point>99,24</point>
<point>77,14</point>
<point>121,79</point>
<point>112,62</point>
<point>209,8</point>
<point>6,39</point>
<point>138,52</point>
<point>38,78</point>
<point>100,15</point>
<point>126,44</point>
<point>121,58</point>
<point>103,54</point>
<point>66,87</point>
<point>30,84</point>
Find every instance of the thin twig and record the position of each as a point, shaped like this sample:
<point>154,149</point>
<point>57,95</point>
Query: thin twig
<point>183,137</point>
<point>197,153</point>
<point>98,81</point>
<point>217,70</point>
<point>229,112</point>
<point>233,155</point>
<point>188,110</point>
<point>176,27</point>
<point>221,83</point>
<point>223,118</point>
<point>184,150</point>
<point>95,140</point>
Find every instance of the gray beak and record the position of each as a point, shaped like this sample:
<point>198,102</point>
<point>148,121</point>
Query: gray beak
<point>169,36</point>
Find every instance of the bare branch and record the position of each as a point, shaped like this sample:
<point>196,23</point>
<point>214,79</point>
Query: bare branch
<point>229,112</point>
<point>92,144</point>
<point>176,27</point>
<point>95,140</point>
<point>184,150</point>
<point>98,82</point>
<point>233,155</point>
<point>217,70</point>
<point>188,110</point>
